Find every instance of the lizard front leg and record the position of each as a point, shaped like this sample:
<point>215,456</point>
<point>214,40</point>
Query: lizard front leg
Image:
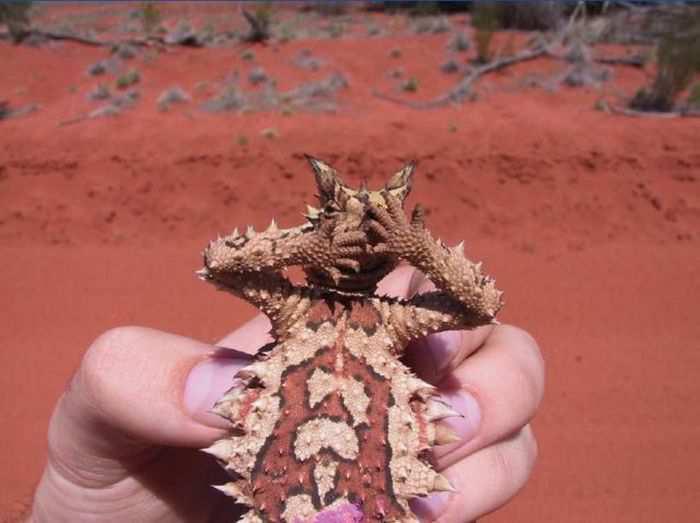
<point>250,265</point>
<point>465,297</point>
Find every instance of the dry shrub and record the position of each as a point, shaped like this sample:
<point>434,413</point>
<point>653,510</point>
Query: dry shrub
<point>16,16</point>
<point>259,21</point>
<point>150,17</point>
<point>678,61</point>
<point>529,16</point>
<point>485,21</point>
<point>526,16</point>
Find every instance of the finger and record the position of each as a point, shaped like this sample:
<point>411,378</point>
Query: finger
<point>402,282</point>
<point>497,390</point>
<point>250,336</point>
<point>150,384</point>
<point>483,481</point>
<point>135,389</point>
<point>436,355</point>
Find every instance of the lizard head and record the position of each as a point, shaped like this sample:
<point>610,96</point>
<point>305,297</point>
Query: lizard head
<point>345,209</point>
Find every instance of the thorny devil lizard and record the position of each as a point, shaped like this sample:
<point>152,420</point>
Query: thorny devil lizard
<point>327,424</point>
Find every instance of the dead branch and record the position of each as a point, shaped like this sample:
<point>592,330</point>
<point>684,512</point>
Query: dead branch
<point>463,88</point>
<point>681,113</point>
<point>259,27</point>
<point>84,40</point>
<point>631,61</point>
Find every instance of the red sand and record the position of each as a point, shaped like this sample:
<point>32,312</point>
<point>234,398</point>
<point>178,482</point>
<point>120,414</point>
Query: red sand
<point>589,221</point>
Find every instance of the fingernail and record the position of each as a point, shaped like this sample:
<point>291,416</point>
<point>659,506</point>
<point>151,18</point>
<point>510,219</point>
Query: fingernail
<point>467,426</point>
<point>442,347</point>
<point>206,383</point>
<point>430,507</point>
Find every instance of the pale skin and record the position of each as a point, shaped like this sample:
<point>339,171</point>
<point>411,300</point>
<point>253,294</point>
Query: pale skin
<point>123,437</point>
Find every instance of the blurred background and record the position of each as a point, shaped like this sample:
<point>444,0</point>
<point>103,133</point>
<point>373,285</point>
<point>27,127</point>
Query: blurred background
<point>560,140</point>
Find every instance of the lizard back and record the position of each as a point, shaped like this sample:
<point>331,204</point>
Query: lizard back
<point>327,424</point>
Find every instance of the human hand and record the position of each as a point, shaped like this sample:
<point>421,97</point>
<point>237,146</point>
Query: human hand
<point>494,376</point>
<point>121,438</point>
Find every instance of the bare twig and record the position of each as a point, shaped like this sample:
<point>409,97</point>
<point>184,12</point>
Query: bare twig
<point>463,88</point>
<point>682,113</point>
<point>259,27</point>
<point>84,40</point>
<point>631,61</point>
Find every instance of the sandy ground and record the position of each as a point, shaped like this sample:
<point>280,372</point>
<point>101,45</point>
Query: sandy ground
<point>589,221</point>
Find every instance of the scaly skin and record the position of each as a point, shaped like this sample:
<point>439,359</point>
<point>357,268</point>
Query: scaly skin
<point>327,424</point>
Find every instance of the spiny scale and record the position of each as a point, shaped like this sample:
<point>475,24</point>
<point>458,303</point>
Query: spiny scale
<point>327,424</point>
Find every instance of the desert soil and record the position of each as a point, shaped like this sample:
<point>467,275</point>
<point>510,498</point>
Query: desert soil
<point>589,221</point>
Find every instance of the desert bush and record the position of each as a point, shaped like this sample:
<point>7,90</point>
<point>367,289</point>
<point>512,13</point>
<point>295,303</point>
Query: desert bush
<point>4,109</point>
<point>449,67</point>
<point>171,96</point>
<point>124,51</point>
<point>434,25</point>
<point>677,63</point>
<point>128,79</point>
<point>257,76</point>
<point>326,7</point>
<point>16,16</point>
<point>259,21</point>
<point>410,85</point>
<point>150,17</point>
<point>529,16</point>
<point>420,8</point>
<point>231,98</point>
<point>100,92</point>
<point>306,60</point>
<point>485,21</point>
<point>459,42</point>
<point>97,69</point>
<point>694,96</point>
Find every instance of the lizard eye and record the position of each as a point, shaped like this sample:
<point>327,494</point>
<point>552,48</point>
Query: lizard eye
<point>331,208</point>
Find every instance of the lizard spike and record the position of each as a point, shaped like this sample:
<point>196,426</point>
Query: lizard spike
<point>445,435</point>
<point>221,450</point>
<point>233,393</point>
<point>224,488</point>
<point>222,408</point>
<point>312,212</point>
<point>437,410</point>
<point>459,248</point>
<point>442,484</point>
<point>250,517</point>
<point>273,226</point>
<point>235,234</point>
<point>234,490</point>
<point>202,273</point>
<point>249,232</point>
<point>418,386</point>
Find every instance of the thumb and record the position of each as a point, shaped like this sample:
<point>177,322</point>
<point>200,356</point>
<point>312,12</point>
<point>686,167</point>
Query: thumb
<point>136,389</point>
